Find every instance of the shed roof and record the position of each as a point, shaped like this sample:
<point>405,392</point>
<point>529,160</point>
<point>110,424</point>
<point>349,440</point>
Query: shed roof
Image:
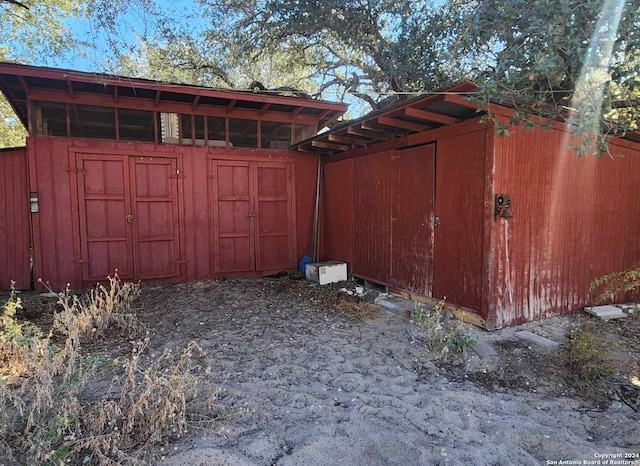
<point>410,116</point>
<point>21,82</point>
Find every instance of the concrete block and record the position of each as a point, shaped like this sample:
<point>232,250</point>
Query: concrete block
<point>484,349</point>
<point>605,312</point>
<point>538,340</point>
<point>387,304</point>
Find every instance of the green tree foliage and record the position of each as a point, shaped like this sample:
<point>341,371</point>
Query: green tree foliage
<point>12,133</point>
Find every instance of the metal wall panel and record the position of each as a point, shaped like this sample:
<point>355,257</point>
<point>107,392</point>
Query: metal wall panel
<point>336,233</point>
<point>574,219</point>
<point>413,179</point>
<point>14,212</point>
<point>372,191</point>
<point>457,269</point>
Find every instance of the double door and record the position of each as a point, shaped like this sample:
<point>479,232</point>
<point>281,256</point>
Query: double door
<point>252,214</point>
<point>128,213</point>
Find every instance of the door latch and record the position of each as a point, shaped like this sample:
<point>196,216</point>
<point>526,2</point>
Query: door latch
<point>129,218</point>
<point>435,221</point>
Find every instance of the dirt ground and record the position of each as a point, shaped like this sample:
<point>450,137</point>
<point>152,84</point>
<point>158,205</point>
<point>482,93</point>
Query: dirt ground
<point>320,387</point>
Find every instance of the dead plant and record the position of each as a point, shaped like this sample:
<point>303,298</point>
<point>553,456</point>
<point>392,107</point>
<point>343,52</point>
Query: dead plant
<point>360,310</point>
<point>43,418</point>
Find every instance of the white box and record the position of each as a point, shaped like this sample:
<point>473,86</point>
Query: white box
<point>326,272</point>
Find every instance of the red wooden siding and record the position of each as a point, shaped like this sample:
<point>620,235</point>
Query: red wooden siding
<point>170,193</point>
<point>372,191</point>
<point>14,212</point>
<point>336,240</point>
<point>412,219</point>
<point>460,208</point>
<point>574,219</point>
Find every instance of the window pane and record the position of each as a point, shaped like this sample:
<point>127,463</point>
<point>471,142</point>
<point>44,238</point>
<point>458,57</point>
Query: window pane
<point>243,133</point>
<point>275,135</point>
<point>92,122</point>
<point>187,135</point>
<point>54,119</point>
<point>136,125</point>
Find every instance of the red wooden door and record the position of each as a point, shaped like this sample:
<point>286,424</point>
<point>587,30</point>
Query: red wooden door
<point>252,216</point>
<point>233,216</point>
<point>275,248</point>
<point>154,217</point>
<point>105,235</point>
<point>411,222</point>
<point>128,210</point>
<point>457,257</point>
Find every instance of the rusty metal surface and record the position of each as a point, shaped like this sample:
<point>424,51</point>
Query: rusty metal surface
<point>14,211</point>
<point>459,205</point>
<point>413,176</point>
<point>574,219</point>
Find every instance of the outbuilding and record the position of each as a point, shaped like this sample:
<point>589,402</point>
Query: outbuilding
<point>159,181</point>
<point>427,198</point>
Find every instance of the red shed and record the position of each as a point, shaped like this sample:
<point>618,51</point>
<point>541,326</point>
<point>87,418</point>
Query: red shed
<point>161,181</point>
<point>425,198</point>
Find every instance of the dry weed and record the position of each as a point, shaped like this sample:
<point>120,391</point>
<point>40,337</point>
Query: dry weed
<point>43,419</point>
<point>360,310</point>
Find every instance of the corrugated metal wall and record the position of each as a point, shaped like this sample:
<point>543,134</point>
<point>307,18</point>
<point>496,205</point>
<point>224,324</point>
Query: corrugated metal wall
<point>574,219</point>
<point>57,248</point>
<point>336,234</point>
<point>458,248</point>
<point>14,215</point>
<point>372,190</point>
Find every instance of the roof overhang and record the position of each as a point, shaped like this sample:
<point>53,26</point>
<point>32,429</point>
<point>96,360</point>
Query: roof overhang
<point>407,117</point>
<point>21,83</point>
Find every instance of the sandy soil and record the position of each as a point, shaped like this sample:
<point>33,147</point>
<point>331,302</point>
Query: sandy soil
<point>319,387</point>
<point>322,388</point>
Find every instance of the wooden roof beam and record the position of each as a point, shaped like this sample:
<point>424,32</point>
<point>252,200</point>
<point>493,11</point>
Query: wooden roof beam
<point>116,97</point>
<point>429,116</point>
<point>388,121</point>
<point>231,104</point>
<point>70,90</point>
<point>23,84</point>
<point>296,111</point>
<point>196,99</point>
<point>328,145</point>
<point>368,126</point>
<point>344,140</point>
<point>460,100</point>
<point>370,134</point>
<point>264,109</point>
<point>156,101</point>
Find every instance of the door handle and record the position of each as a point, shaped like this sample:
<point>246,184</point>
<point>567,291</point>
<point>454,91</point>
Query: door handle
<point>129,218</point>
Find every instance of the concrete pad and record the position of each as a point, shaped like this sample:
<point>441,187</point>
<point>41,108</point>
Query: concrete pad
<point>605,312</point>
<point>484,349</point>
<point>538,340</point>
